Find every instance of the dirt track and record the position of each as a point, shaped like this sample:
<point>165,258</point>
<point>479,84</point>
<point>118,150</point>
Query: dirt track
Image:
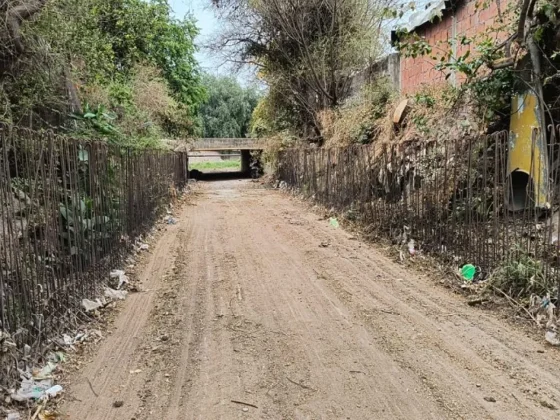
<point>245,305</point>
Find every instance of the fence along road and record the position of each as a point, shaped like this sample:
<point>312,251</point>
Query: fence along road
<point>256,301</point>
<point>452,199</point>
<point>69,211</point>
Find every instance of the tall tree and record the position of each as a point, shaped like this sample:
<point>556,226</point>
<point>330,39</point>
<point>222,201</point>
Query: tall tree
<point>306,50</point>
<point>143,31</point>
<point>53,52</point>
<point>228,108</point>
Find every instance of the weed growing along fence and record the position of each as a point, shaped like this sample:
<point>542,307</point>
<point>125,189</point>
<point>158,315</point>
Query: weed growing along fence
<point>69,211</point>
<point>450,198</point>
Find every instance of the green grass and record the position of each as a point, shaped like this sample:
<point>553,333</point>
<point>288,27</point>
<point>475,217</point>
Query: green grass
<point>216,165</point>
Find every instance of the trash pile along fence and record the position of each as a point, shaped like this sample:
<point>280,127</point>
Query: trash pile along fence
<point>447,198</point>
<point>69,212</point>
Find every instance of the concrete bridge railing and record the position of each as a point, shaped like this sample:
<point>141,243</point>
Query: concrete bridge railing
<point>227,144</point>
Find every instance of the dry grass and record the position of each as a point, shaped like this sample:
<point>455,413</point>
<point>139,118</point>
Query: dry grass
<point>275,144</point>
<point>94,94</point>
<point>360,120</point>
<point>433,113</point>
<point>150,93</point>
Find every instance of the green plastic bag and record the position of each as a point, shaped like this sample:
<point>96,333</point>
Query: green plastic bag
<point>334,222</point>
<point>468,271</point>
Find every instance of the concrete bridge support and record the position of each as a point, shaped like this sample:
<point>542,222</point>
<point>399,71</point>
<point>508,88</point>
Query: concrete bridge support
<point>245,161</point>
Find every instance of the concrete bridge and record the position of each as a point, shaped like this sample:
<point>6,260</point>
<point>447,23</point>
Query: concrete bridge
<point>217,144</point>
<point>244,145</point>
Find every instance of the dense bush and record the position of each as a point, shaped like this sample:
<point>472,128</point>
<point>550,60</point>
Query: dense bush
<point>118,69</point>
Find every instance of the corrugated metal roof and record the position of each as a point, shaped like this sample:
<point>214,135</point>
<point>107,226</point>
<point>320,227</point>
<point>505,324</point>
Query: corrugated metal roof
<point>416,14</point>
<point>424,11</point>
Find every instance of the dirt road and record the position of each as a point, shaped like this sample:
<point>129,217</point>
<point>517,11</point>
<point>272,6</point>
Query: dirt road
<point>248,316</point>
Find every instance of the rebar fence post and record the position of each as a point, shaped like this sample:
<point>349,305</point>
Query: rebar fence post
<point>70,210</point>
<point>448,198</point>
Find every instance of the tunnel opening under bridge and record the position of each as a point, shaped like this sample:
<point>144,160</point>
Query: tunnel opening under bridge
<point>233,158</point>
<point>225,164</point>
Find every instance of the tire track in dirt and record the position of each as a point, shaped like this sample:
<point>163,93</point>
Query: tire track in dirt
<point>460,362</point>
<point>254,310</point>
<point>343,340</point>
<point>109,372</point>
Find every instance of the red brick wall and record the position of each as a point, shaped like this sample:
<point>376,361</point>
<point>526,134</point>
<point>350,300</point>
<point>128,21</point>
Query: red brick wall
<point>418,72</point>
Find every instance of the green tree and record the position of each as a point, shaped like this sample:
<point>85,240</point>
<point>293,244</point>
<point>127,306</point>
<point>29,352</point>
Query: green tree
<point>306,50</point>
<point>228,108</point>
<point>141,31</point>
<point>129,58</point>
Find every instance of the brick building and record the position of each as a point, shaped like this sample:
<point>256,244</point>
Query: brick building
<point>438,23</point>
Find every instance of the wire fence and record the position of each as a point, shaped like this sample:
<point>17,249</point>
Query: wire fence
<point>460,200</point>
<point>69,212</point>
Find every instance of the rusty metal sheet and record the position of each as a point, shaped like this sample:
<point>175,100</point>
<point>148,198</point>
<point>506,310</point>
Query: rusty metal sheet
<point>527,164</point>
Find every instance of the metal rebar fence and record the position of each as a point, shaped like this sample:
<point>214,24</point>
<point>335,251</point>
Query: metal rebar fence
<point>69,212</point>
<point>459,200</point>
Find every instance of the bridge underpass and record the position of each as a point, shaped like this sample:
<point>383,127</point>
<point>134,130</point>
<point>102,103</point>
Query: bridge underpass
<point>244,147</point>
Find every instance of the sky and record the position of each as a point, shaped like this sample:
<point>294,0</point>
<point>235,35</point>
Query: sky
<point>208,25</point>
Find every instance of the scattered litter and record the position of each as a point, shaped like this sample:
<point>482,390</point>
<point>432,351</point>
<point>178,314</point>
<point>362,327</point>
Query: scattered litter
<point>542,302</point>
<point>118,404</point>
<point>544,309</point>
<point>91,305</point>
<point>48,415</point>
<point>115,294</point>
<point>67,340</point>
<point>334,222</point>
<point>119,274</point>
<point>171,221</point>
<point>134,372</point>
<point>54,391</point>
<point>468,271</point>
<point>144,247</point>
<point>30,389</point>
<point>552,338</point>
<point>45,372</point>
<point>411,247</point>
<point>57,356</point>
